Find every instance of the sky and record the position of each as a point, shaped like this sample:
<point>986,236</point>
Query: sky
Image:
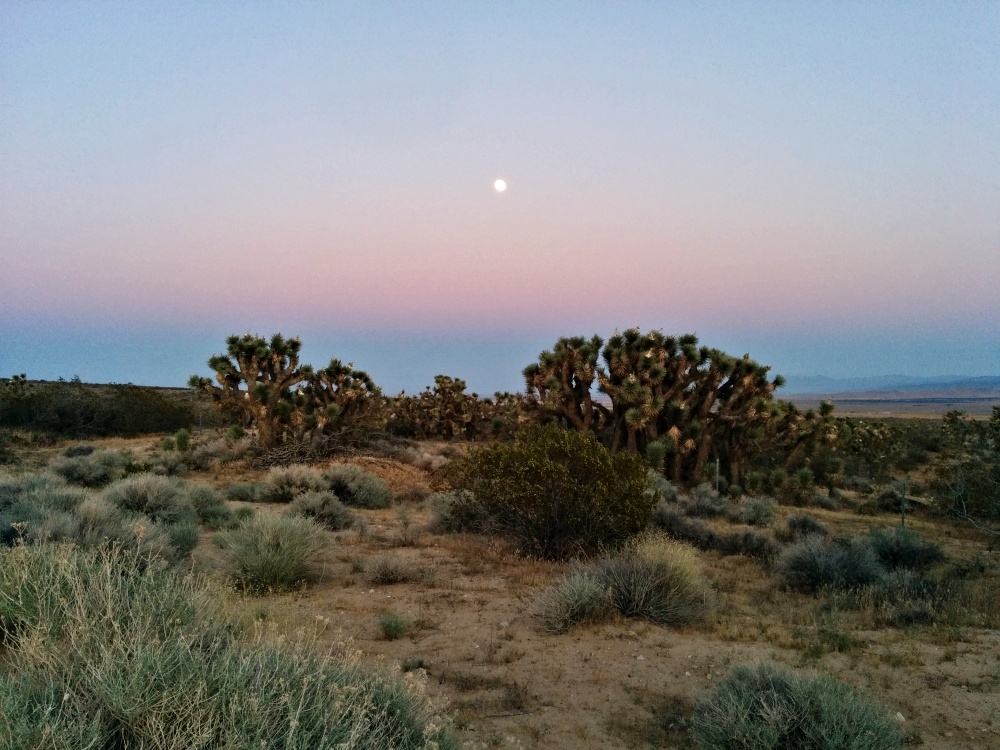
<point>815,184</point>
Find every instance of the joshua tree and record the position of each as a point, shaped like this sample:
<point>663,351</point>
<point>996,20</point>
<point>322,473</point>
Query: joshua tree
<point>255,380</point>
<point>559,386</point>
<point>334,397</point>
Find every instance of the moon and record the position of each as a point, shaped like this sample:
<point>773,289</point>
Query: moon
<point>499,186</point>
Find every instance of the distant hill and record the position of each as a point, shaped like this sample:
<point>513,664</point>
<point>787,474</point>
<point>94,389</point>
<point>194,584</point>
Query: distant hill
<point>820,384</point>
<point>897,395</point>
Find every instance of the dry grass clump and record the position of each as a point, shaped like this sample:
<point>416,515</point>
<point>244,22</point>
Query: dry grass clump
<point>761,708</point>
<point>106,651</point>
<point>582,596</point>
<point>386,570</point>
<point>270,552</point>
<point>655,578</point>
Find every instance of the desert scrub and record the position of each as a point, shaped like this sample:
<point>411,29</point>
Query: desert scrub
<point>581,596</point>
<point>324,508</point>
<point>88,633</point>
<point>386,570</point>
<point>244,492</point>
<point>453,512</point>
<point>901,547</point>
<point>271,552</point>
<point>658,579</point>
<point>209,505</point>
<point>819,562</point>
<point>92,469</point>
<point>655,578</point>
<point>284,483</point>
<point>556,493</point>
<point>754,511</point>
<point>755,544</point>
<point>356,487</point>
<point>800,525</point>
<point>160,498</point>
<point>705,502</point>
<point>393,625</point>
<point>761,708</point>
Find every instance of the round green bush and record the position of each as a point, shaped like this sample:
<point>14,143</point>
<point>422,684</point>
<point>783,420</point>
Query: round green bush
<point>356,487</point>
<point>557,493</point>
<point>761,708</point>
<point>324,508</point>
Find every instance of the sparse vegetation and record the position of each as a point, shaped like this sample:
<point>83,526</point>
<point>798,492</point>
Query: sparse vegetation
<point>761,708</point>
<point>324,508</point>
<point>269,552</point>
<point>356,487</point>
<point>138,632</point>
<point>393,625</point>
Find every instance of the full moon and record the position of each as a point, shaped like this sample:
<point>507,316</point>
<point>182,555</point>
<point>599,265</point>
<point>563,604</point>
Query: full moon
<point>500,186</point>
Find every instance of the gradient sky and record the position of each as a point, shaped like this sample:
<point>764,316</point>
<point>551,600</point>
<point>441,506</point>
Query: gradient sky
<point>817,184</point>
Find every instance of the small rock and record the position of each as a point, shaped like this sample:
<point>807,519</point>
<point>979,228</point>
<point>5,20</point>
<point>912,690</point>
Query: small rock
<point>640,657</point>
<point>900,718</point>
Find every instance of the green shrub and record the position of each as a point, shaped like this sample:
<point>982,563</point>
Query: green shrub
<point>94,469</point>
<point>760,708</point>
<point>557,493</point>
<point>800,525</point>
<point>755,511</point>
<point>274,552</point>
<point>183,537</point>
<point>81,449</point>
<point>167,465</point>
<point>579,597</point>
<point>161,499</point>
<point>904,548</point>
<point>183,439</point>
<point>209,505</point>
<point>393,625</point>
<point>243,514</point>
<point>246,493</point>
<point>705,502</point>
<point>168,444</point>
<point>453,512</point>
<point>673,521</point>
<point>356,487</point>
<point>284,483</point>
<point>660,486</point>
<point>818,562</point>
<point>324,508</point>
<point>755,544</point>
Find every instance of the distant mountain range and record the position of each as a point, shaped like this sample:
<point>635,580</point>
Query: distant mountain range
<point>820,384</point>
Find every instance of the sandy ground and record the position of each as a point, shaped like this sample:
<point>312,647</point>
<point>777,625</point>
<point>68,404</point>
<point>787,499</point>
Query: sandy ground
<point>626,683</point>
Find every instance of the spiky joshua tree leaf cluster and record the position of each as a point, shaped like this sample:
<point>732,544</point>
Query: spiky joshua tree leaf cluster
<point>262,383</point>
<point>678,403</point>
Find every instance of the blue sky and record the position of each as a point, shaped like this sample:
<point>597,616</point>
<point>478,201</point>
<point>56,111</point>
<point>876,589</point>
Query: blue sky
<point>815,184</point>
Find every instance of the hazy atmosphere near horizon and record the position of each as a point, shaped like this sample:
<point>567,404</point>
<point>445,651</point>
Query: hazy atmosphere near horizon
<point>817,184</point>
